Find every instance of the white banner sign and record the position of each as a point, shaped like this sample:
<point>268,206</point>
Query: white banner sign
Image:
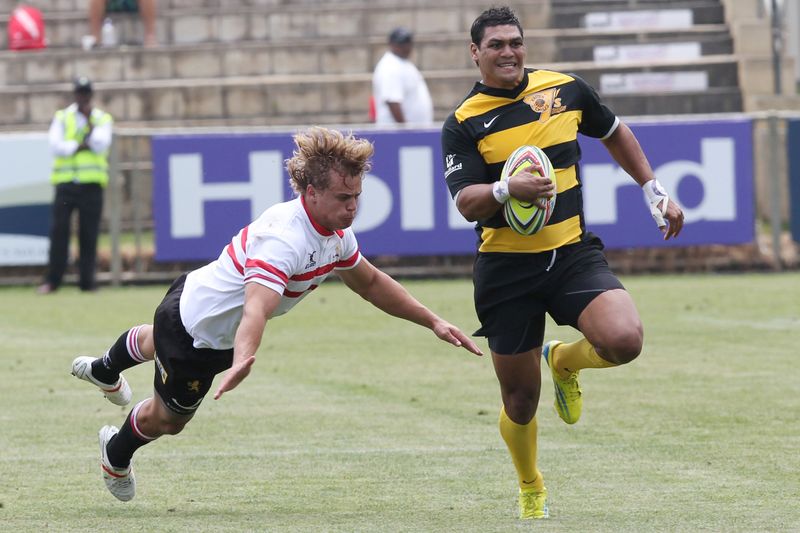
<point>25,198</point>
<point>644,19</point>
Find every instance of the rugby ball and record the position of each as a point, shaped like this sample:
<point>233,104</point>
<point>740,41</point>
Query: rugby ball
<point>527,218</point>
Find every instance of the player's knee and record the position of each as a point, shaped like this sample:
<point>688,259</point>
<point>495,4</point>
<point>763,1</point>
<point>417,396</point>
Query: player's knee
<point>625,346</point>
<point>172,424</point>
<point>172,427</point>
<point>520,407</point>
<point>146,342</point>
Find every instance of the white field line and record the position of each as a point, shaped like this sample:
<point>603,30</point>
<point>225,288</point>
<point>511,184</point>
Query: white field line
<point>316,452</point>
<point>9,457</point>
<point>772,324</point>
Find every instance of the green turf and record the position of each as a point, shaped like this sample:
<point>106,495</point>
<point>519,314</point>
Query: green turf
<point>352,421</point>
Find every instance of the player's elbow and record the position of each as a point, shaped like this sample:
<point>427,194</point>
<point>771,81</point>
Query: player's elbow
<point>470,217</point>
<point>471,210</point>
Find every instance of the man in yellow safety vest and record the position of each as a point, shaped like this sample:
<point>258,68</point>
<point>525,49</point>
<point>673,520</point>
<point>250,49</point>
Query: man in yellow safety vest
<point>80,137</point>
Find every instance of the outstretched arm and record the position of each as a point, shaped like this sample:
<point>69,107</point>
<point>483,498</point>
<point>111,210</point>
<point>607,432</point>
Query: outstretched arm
<point>626,151</point>
<point>389,296</point>
<point>259,304</point>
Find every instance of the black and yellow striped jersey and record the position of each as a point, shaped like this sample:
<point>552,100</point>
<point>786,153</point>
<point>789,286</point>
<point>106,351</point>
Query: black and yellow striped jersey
<point>547,109</point>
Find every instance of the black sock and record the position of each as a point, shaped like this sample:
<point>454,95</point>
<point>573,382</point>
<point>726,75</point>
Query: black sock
<point>116,359</point>
<point>121,447</point>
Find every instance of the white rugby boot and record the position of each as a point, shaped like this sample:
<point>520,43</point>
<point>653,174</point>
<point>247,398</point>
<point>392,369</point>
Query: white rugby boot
<point>118,393</point>
<point>119,481</point>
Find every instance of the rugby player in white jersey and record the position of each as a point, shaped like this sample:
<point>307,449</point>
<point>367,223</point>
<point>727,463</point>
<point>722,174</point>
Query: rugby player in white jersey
<point>213,318</point>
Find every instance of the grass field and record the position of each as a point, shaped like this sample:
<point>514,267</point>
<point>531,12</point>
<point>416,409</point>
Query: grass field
<point>352,421</point>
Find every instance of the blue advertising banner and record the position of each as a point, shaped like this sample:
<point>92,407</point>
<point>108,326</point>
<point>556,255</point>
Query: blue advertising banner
<point>707,167</point>
<point>206,187</point>
<point>793,155</point>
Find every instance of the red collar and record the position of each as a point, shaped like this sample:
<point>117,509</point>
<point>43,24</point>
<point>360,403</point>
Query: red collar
<point>322,230</point>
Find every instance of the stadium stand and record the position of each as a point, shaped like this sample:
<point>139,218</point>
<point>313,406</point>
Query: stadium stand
<point>262,62</point>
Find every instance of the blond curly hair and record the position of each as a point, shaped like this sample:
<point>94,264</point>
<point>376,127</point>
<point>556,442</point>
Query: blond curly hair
<point>320,151</point>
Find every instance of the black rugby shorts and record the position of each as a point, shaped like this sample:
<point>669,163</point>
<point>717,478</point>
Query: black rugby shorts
<point>183,373</point>
<point>513,291</point>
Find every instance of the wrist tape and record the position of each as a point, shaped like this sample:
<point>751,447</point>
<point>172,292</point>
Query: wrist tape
<point>500,191</point>
<point>658,199</point>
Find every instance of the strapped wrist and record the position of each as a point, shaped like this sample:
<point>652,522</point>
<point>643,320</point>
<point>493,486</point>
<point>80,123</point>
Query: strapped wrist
<point>654,191</point>
<point>658,199</point>
<point>500,191</point>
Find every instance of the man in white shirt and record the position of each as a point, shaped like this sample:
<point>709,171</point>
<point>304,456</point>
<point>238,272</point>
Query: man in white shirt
<point>80,136</point>
<point>399,91</point>
<point>213,318</point>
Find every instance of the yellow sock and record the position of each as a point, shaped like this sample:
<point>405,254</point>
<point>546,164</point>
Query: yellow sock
<point>521,442</point>
<point>569,358</point>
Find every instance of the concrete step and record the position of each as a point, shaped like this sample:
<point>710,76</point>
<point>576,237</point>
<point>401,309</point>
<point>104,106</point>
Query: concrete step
<point>722,70</point>
<point>626,5</point>
<point>55,7</point>
<point>293,99</point>
<point>296,20</point>
<point>714,100</point>
<point>570,13</point>
<point>324,55</point>
<point>274,99</point>
<point>713,40</point>
<point>250,58</point>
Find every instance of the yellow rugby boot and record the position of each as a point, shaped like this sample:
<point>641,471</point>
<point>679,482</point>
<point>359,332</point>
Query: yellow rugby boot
<point>568,402</point>
<point>533,504</point>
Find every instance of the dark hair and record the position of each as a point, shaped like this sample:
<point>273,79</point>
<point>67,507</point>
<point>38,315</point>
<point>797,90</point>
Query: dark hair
<point>401,36</point>
<point>494,16</point>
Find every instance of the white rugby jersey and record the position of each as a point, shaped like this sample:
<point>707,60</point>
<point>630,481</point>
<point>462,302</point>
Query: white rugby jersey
<point>283,249</point>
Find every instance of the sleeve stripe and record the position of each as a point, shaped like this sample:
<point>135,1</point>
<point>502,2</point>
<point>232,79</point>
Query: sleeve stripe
<point>293,294</point>
<point>244,239</point>
<point>349,262</point>
<point>267,278</point>
<point>612,130</point>
<point>236,262</point>
<point>257,263</point>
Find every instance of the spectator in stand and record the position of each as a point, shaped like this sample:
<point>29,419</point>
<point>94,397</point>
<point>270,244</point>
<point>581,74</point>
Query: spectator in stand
<point>99,8</point>
<point>398,88</point>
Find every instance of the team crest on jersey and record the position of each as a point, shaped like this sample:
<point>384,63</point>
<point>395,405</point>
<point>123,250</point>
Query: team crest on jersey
<point>312,261</point>
<point>193,386</point>
<point>546,103</point>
